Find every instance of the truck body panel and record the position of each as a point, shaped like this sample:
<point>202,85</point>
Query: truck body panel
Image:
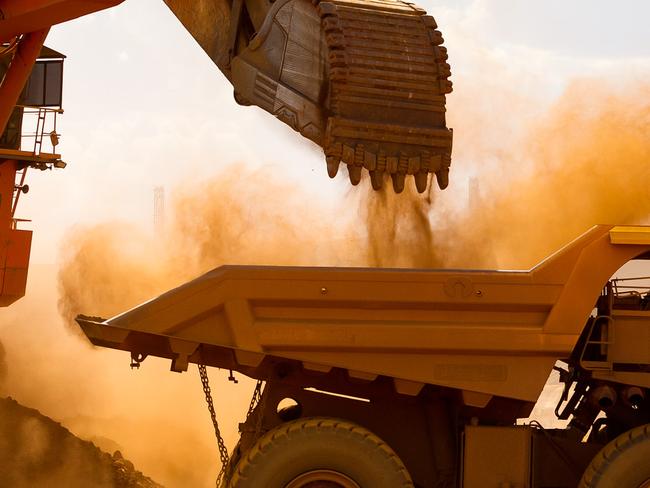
<point>483,332</point>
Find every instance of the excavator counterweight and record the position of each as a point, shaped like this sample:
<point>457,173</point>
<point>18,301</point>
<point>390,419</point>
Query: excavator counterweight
<point>364,79</point>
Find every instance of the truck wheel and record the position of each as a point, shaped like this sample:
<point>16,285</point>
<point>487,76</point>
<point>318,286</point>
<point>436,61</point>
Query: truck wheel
<point>623,463</point>
<point>320,453</point>
<point>235,457</point>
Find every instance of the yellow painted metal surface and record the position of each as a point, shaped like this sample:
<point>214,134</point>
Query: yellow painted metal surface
<point>497,457</point>
<point>491,332</point>
<point>635,235</point>
<point>629,343</point>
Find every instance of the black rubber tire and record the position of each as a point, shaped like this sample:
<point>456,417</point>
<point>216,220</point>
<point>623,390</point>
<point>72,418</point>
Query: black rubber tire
<point>623,463</point>
<point>235,457</point>
<point>304,445</point>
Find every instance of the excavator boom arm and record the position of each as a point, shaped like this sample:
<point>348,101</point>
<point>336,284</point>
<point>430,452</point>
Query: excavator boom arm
<point>22,16</point>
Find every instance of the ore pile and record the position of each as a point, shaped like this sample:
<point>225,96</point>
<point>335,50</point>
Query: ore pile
<point>37,451</point>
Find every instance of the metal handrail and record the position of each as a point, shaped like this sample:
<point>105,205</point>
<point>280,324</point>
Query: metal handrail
<point>38,135</point>
<point>630,289</point>
<point>42,121</point>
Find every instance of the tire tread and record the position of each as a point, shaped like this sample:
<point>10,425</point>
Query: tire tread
<point>611,452</point>
<point>310,426</point>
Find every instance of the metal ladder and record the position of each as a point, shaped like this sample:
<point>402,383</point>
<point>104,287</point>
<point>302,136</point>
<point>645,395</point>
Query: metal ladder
<point>21,174</point>
<point>606,338</point>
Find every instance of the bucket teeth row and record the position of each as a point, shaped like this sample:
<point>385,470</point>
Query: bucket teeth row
<point>398,177</point>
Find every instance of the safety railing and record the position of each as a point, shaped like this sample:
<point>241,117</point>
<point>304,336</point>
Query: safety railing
<point>39,136</point>
<point>43,121</point>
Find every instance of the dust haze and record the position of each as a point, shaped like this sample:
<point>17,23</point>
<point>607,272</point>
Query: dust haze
<point>3,369</point>
<point>584,162</point>
<point>38,451</point>
<point>516,195</point>
<point>158,425</point>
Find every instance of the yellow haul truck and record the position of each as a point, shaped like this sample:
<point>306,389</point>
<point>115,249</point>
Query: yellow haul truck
<point>380,378</point>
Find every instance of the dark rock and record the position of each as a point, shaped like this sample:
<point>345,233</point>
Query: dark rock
<point>37,451</point>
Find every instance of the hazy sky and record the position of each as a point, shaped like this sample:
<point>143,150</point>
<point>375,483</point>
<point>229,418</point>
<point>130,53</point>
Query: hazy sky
<point>145,106</point>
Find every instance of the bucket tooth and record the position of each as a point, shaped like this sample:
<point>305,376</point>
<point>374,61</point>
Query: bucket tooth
<point>347,154</point>
<point>370,161</point>
<point>354,173</point>
<point>377,179</point>
<point>421,178</point>
<point>443,178</point>
<point>332,166</point>
<point>392,163</point>
<point>414,165</point>
<point>398,181</point>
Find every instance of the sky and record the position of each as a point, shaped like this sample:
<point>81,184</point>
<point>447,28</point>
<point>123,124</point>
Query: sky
<point>144,106</point>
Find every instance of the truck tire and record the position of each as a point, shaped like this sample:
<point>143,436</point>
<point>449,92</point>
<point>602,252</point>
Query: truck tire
<point>623,463</point>
<point>320,452</point>
<point>233,461</point>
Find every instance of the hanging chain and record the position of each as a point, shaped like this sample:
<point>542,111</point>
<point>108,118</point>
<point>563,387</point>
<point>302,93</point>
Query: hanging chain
<point>257,396</point>
<point>257,401</point>
<point>223,451</point>
<point>261,406</point>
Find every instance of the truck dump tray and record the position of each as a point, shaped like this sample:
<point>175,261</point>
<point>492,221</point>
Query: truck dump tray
<point>483,332</point>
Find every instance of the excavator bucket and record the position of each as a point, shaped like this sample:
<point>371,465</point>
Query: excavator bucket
<point>364,79</point>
